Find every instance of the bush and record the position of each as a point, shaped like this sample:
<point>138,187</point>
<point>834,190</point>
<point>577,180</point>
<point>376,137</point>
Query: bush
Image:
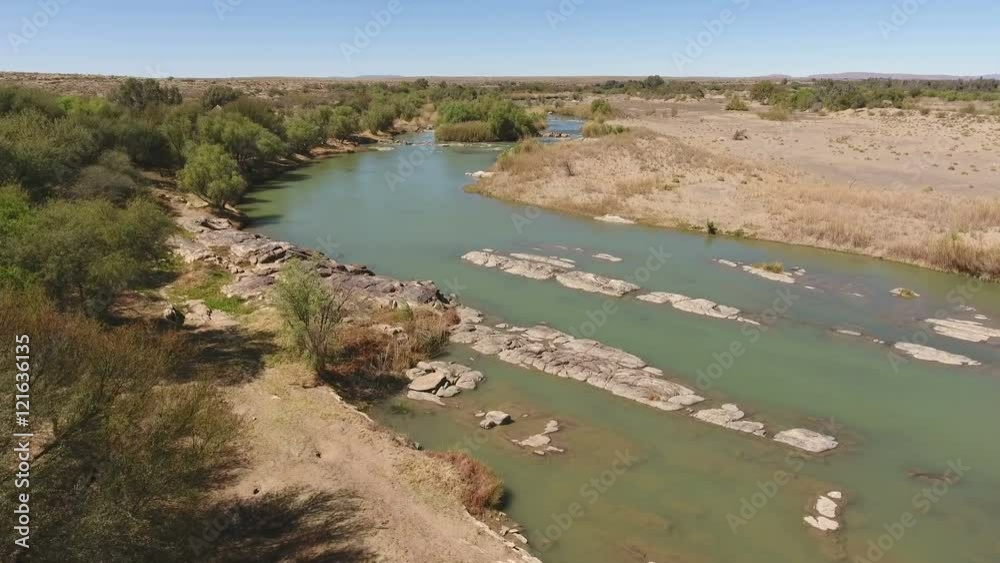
<point>303,133</point>
<point>508,157</point>
<point>465,132</point>
<point>99,182</point>
<point>764,91</point>
<point>258,111</point>
<point>17,99</point>
<point>736,103</point>
<point>379,117</point>
<point>244,140</point>
<point>310,311</point>
<point>601,129</point>
<point>37,152</point>
<point>138,94</point>
<point>217,95</point>
<point>84,253</point>
<point>601,108</point>
<point>509,122</point>
<point>342,122</point>
<point>212,174</point>
<point>129,460</point>
<point>482,489</point>
<point>776,114</point>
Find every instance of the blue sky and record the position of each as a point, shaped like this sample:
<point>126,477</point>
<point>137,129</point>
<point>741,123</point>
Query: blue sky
<point>494,37</point>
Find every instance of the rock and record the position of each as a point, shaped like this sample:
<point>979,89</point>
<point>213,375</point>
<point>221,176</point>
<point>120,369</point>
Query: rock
<point>928,354</point>
<point>448,392</point>
<point>702,307</point>
<point>905,293</point>
<point>495,418</point>
<point>480,414</point>
<point>551,427</point>
<point>835,495</point>
<point>427,383</point>
<point>729,263</point>
<point>846,332</point>
<point>969,331</point>
<point>826,507</point>
<point>560,263</point>
<point>173,316</point>
<point>607,257</point>
<point>614,219</point>
<point>536,441</point>
<point>419,396</point>
<point>782,277</point>
<point>730,416</point>
<point>822,523</point>
<point>807,440</point>
<point>480,174</point>
<point>470,380</point>
<point>250,287</point>
<point>524,268</point>
<point>595,283</point>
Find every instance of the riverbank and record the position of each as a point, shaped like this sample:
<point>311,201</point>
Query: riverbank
<point>859,182</point>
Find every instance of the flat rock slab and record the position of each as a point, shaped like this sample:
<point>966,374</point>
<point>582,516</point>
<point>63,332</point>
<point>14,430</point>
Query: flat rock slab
<point>928,354</point>
<point>782,277</point>
<point>535,442</point>
<point>826,512</point>
<point>555,262</point>
<point>426,397</point>
<point>807,440</point>
<point>524,268</point>
<point>970,331</point>
<point>614,219</point>
<point>607,257</point>
<point>702,307</point>
<point>730,416</point>
<point>595,283</point>
<point>428,383</point>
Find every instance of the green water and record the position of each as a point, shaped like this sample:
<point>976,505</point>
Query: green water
<point>672,503</point>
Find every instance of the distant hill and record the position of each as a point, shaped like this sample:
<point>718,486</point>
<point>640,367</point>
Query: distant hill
<point>896,76</point>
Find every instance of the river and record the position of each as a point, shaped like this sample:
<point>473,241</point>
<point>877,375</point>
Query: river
<point>689,492</point>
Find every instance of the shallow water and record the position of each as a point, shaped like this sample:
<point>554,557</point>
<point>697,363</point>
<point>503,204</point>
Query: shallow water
<point>405,214</point>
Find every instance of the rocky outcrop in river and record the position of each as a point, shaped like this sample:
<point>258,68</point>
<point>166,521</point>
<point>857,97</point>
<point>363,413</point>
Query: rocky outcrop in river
<point>545,268</point>
<point>702,307</point>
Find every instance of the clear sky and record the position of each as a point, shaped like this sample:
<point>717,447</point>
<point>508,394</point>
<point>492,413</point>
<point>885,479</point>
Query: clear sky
<point>500,37</point>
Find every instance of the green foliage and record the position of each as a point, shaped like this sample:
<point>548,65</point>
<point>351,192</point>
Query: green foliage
<point>764,91</point>
<point>653,82</point>
<point>245,140</point>
<point>342,122</point>
<point>310,311</point>
<point>303,133</point>
<point>460,111</point>
<point>508,122</point>
<point>84,253</point>
<point>38,152</point>
<point>258,111</point>
<point>212,173</point>
<point>379,117</point>
<point>776,113</point>
<point>601,109</point>
<point>129,459</point>
<point>218,96</point>
<point>138,94</point>
<point>208,288</point>
<point>17,99</point>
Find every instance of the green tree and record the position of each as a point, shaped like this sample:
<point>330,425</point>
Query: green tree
<point>218,96</point>
<point>303,133</point>
<point>138,94</point>
<point>84,253</point>
<point>212,174</point>
<point>245,140</point>
<point>601,109</point>
<point>38,152</point>
<point>764,91</point>
<point>379,117</point>
<point>311,312</point>
<point>342,122</point>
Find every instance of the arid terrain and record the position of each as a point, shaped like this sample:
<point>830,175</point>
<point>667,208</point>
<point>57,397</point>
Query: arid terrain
<point>916,186</point>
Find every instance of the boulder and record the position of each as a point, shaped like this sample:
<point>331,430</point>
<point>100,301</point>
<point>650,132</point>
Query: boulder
<point>173,316</point>
<point>428,397</point>
<point>427,383</point>
<point>807,440</point>
<point>730,416</point>
<point>469,380</point>
<point>928,354</point>
<point>594,283</point>
<point>494,419</point>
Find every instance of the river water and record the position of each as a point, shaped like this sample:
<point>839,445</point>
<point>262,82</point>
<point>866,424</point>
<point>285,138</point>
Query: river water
<point>687,491</point>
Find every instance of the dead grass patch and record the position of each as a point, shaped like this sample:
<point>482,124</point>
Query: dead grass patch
<point>481,489</point>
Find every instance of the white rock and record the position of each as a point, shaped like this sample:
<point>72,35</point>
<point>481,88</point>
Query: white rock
<point>826,507</point>
<point>807,440</point>
<point>560,263</point>
<point>495,418</point>
<point>607,257</point>
<point>614,219</point>
<point>969,331</point>
<point>928,354</point>
<point>536,441</point>
<point>835,495</point>
<point>782,277</point>
<point>730,416</point>
<point>418,396</point>
<point>702,307</point>
<point>524,268</point>
<point>426,383</point>
<point>822,523</point>
<point>595,283</point>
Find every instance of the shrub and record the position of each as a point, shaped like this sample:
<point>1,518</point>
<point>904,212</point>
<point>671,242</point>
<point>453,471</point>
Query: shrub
<point>100,182</point>
<point>303,133</point>
<point>258,111</point>
<point>84,253</point>
<point>776,114</point>
<point>16,99</point>
<point>379,117</point>
<point>507,158</point>
<point>764,91</point>
<point>37,152</point>
<point>342,122</point>
<point>482,489</point>
<point>459,111</point>
<point>246,141</point>
<point>712,228</point>
<point>465,132</point>
<point>601,129</point>
<point>139,94</point>
<point>773,267</point>
<point>129,460</point>
<point>510,123</point>
<point>736,103</point>
<point>217,95</point>
<point>212,174</point>
<point>310,311</point>
<point>601,108</point>
<point>740,135</point>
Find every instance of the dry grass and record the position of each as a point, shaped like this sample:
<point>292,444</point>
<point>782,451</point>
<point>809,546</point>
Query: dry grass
<point>664,181</point>
<point>593,129</point>
<point>773,267</point>
<point>482,490</point>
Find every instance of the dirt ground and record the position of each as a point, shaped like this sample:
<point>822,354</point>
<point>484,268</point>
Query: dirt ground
<point>919,187</point>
